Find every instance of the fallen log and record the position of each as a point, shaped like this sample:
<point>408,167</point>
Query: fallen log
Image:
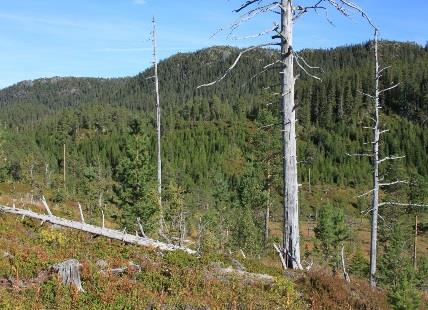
<point>96,230</point>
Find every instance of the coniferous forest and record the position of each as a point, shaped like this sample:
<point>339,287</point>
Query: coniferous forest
<point>92,141</point>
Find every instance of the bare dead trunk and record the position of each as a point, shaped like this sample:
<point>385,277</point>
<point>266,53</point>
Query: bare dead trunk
<point>64,167</point>
<point>415,246</point>
<point>268,203</point>
<point>375,162</point>
<point>158,128</point>
<point>291,243</point>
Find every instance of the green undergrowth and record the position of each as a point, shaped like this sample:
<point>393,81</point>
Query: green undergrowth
<point>173,280</point>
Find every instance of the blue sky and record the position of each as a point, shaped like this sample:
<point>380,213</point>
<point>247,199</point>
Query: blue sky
<point>109,38</point>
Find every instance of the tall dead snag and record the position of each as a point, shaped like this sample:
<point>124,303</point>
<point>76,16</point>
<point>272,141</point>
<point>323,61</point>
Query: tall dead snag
<point>291,244</point>
<point>64,168</point>
<point>374,154</point>
<point>415,245</point>
<point>158,127</point>
<point>282,35</point>
<point>375,162</point>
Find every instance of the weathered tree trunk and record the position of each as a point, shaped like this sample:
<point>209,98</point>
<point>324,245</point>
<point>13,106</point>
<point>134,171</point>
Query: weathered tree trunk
<point>64,168</point>
<point>158,128</point>
<point>69,272</point>
<point>415,246</point>
<point>291,242</point>
<point>375,162</point>
<point>95,230</point>
<point>268,203</point>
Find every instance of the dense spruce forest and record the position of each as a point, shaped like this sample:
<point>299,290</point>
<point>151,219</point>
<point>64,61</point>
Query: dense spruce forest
<point>92,140</point>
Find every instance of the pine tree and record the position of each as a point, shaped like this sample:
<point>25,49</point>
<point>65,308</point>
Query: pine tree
<point>331,232</point>
<point>396,272</point>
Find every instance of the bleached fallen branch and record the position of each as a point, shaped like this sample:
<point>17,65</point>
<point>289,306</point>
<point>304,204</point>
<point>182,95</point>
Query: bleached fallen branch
<point>235,63</point>
<point>96,230</point>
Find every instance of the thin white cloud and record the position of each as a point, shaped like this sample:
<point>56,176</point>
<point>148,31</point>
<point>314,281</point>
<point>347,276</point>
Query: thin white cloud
<point>140,2</point>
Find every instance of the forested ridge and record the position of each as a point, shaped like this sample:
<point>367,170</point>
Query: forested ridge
<point>221,146</point>
<point>205,128</point>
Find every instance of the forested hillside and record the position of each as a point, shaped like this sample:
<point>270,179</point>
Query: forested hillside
<point>207,130</point>
<point>221,148</point>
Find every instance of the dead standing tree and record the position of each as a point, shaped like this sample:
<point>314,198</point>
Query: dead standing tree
<point>158,128</point>
<point>374,154</point>
<point>282,36</point>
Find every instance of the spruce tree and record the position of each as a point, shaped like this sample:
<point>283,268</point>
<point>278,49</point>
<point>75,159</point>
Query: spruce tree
<point>135,182</point>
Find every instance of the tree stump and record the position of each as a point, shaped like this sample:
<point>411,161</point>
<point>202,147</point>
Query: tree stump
<point>69,272</point>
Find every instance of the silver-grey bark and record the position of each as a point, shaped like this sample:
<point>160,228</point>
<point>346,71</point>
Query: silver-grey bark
<point>95,230</point>
<point>69,273</point>
<point>158,128</point>
<point>375,161</point>
<point>291,242</point>
<point>289,13</point>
